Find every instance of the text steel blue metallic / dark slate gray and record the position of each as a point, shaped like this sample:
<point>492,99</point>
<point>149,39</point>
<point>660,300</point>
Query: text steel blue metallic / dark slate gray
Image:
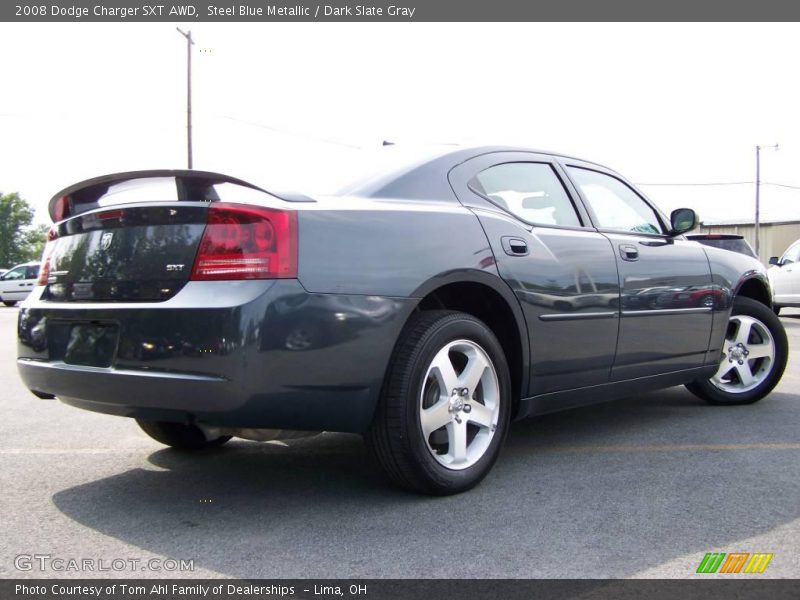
<point>424,307</point>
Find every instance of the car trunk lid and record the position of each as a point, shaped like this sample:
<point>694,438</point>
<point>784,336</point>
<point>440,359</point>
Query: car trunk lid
<point>135,236</point>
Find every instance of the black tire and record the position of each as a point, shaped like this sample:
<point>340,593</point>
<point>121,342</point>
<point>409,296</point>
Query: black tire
<point>767,371</point>
<point>414,461</point>
<point>10,302</point>
<point>181,436</point>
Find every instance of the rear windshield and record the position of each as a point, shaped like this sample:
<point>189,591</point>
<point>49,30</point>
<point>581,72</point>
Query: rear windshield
<point>135,190</point>
<point>734,245</point>
<point>371,168</point>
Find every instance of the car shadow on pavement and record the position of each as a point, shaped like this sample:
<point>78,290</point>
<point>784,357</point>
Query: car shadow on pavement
<point>602,491</point>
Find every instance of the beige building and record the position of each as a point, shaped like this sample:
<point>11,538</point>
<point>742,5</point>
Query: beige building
<point>774,236</point>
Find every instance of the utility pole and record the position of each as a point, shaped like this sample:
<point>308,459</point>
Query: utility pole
<point>758,190</point>
<point>189,44</point>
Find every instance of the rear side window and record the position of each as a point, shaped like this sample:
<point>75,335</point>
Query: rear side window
<point>792,255</point>
<point>531,191</point>
<point>32,272</point>
<point>615,205</point>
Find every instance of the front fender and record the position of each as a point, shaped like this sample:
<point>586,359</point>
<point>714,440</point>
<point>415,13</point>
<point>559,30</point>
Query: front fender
<point>733,275</point>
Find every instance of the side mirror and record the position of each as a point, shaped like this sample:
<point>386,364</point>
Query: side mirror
<point>774,260</point>
<point>682,220</point>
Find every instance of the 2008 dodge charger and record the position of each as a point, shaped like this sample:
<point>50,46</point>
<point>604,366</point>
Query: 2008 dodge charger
<point>424,307</point>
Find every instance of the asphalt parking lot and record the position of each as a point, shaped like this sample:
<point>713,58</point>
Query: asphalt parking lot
<point>641,487</point>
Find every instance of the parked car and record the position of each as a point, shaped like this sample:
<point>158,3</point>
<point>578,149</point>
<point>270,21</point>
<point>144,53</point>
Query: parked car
<point>784,276</point>
<point>727,241</point>
<point>424,307</point>
<point>18,282</point>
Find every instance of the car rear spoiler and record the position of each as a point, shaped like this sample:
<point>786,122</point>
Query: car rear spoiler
<point>83,196</point>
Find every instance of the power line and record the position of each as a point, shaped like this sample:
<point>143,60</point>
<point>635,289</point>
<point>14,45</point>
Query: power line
<point>700,184</point>
<point>783,185</point>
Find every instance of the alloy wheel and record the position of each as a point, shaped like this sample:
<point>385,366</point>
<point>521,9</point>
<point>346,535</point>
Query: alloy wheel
<point>459,405</point>
<point>748,355</point>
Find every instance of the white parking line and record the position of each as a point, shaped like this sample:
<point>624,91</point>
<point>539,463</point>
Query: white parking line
<point>677,448</point>
<point>56,451</point>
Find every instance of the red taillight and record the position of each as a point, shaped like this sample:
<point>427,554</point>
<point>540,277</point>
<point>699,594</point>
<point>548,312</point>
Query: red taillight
<point>44,268</point>
<point>61,209</point>
<point>247,242</point>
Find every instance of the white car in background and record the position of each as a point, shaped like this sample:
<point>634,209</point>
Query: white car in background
<point>784,276</point>
<point>18,282</point>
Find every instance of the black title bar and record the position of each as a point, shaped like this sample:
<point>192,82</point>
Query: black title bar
<point>398,589</point>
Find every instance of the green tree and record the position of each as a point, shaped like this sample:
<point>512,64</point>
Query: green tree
<point>19,242</point>
<point>35,239</point>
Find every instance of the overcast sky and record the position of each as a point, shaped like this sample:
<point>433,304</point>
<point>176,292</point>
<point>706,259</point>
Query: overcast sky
<point>290,105</point>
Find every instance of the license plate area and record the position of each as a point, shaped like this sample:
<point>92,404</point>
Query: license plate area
<point>89,344</point>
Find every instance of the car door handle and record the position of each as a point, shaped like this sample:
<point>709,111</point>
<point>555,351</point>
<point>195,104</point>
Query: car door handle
<point>629,252</point>
<point>514,246</point>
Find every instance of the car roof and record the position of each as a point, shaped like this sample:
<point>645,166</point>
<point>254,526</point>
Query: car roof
<point>425,176</point>
<point>25,264</point>
<point>420,175</point>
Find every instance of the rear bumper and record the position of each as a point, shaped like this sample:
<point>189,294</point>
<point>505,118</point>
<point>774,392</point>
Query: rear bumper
<point>240,354</point>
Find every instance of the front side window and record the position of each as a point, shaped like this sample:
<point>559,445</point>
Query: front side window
<point>18,273</point>
<point>531,191</point>
<point>615,205</point>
